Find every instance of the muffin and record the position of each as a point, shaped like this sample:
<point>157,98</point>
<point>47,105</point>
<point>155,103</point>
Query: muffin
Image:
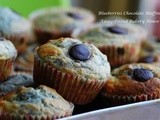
<point>120,42</point>
<point>8,53</point>
<point>137,30</point>
<point>133,83</point>
<point>15,28</point>
<point>25,61</point>
<point>150,51</point>
<point>77,70</point>
<point>15,81</point>
<point>34,104</point>
<point>53,23</point>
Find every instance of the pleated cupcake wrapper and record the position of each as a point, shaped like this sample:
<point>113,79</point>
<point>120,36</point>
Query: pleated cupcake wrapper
<point>119,100</point>
<point>73,88</point>
<point>6,68</point>
<point>130,55</point>
<point>44,36</point>
<point>7,116</point>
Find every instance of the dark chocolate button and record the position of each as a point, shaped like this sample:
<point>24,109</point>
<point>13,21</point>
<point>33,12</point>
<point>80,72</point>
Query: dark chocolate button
<point>79,52</point>
<point>142,75</point>
<point>147,59</point>
<point>74,15</point>
<point>117,30</point>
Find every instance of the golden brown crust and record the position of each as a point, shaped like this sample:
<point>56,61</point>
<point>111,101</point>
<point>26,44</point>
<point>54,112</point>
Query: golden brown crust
<point>122,84</point>
<point>47,50</point>
<point>40,102</point>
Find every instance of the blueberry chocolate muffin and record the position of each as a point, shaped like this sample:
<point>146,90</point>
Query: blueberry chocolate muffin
<point>118,41</point>
<point>133,83</point>
<point>53,23</point>
<point>16,81</point>
<point>42,103</point>
<point>15,28</point>
<point>150,51</point>
<point>77,70</point>
<point>25,61</point>
<point>8,53</point>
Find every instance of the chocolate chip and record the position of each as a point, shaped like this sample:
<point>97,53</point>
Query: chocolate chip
<point>142,75</point>
<point>120,51</point>
<point>117,30</point>
<point>79,52</point>
<point>74,15</point>
<point>147,59</point>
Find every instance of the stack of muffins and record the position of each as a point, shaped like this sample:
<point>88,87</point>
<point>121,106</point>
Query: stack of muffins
<point>64,59</point>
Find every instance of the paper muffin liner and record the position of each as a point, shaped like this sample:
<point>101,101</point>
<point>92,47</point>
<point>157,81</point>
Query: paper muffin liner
<point>5,69</point>
<point>71,87</point>
<point>120,100</point>
<point>7,116</point>
<point>43,36</point>
<point>117,56</point>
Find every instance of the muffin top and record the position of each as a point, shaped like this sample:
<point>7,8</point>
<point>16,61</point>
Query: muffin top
<point>7,50</point>
<point>42,101</point>
<point>61,19</point>
<point>74,56</point>
<point>134,79</point>
<point>136,29</point>
<point>110,34</point>
<point>12,23</point>
<point>15,81</point>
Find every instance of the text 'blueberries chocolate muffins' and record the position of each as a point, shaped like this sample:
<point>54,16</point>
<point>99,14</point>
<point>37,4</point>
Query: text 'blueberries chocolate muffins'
<point>53,23</point>
<point>42,103</point>
<point>8,53</point>
<point>15,28</point>
<point>77,70</point>
<point>120,42</point>
<point>133,83</point>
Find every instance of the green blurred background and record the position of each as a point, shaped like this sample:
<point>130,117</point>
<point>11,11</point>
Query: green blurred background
<point>24,7</point>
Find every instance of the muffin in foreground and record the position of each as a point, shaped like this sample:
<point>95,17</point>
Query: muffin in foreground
<point>42,103</point>
<point>77,70</point>
<point>133,83</point>
<point>15,28</point>
<point>8,53</point>
<point>15,81</point>
<point>53,23</point>
<point>120,42</point>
